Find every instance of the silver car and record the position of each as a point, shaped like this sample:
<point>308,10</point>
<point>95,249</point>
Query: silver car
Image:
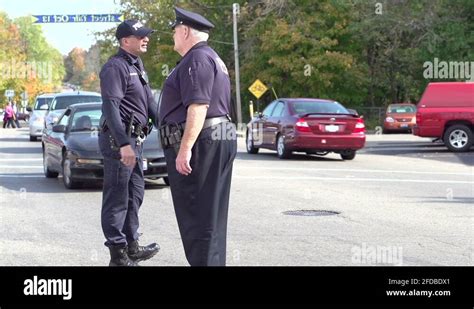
<point>38,113</point>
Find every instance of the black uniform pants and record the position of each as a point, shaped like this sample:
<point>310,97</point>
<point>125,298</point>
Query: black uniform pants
<point>201,199</point>
<point>122,195</point>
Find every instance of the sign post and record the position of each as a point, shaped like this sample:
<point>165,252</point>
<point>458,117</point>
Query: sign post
<point>9,93</point>
<point>258,89</point>
<point>24,101</point>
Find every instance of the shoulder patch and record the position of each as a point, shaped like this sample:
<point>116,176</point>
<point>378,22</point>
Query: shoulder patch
<point>222,65</point>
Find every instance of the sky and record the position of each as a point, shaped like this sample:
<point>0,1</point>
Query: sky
<point>64,36</point>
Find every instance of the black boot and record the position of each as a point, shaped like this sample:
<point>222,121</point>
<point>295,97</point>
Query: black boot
<point>119,257</point>
<point>138,253</point>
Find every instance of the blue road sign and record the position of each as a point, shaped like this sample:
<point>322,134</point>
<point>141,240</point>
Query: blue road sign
<point>77,18</point>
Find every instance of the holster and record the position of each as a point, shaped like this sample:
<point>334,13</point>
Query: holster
<point>171,135</point>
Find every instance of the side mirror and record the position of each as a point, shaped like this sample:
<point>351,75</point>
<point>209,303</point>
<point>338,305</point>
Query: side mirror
<point>44,107</point>
<point>28,109</point>
<point>260,115</point>
<point>353,112</point>
<point>59,128</point>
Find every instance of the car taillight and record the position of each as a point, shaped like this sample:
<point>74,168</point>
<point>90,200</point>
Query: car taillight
<point>360,126</point>
<point>418,117</point>
<point>302,126</point>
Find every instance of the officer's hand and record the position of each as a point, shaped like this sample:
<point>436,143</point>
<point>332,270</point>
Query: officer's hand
<point>128,156</point>
<point>182,162</point>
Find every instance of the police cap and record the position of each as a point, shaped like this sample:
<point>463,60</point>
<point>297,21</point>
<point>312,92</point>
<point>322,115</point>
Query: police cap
<point>132,27</point>
<point>192,20</point>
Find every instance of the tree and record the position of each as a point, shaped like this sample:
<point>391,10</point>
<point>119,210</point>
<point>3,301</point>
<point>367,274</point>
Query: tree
<point>28,62</point>
<point>359,52</point>
<point>41,55</point>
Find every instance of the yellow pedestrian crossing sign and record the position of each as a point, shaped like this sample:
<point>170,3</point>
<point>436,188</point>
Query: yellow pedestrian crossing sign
<point>258,89</point>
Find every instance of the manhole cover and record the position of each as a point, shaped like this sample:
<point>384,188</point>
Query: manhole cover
<point>310,213</point>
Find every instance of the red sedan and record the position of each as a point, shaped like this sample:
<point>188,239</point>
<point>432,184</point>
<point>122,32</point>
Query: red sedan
<point>314,126</point>
<point>399,117</point>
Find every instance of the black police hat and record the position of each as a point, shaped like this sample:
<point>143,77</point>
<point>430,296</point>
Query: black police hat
<point>192,20</point>
<point>132,27</point>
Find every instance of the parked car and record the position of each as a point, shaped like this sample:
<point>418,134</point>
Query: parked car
<point>314,126</point>
<point>23,116</point>
<point>38,112</point>
<point>446,112</point>
<point>62,100</point>
<point>400,117</point>
<point>71,148</point>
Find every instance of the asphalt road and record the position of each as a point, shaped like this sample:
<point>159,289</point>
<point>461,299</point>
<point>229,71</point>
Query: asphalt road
<point>402,201</point>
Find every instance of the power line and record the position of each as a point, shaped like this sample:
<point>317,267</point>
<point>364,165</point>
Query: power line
<point>227,43</point>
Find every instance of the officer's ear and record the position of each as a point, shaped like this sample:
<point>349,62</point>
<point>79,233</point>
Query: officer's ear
<point>187,32</point>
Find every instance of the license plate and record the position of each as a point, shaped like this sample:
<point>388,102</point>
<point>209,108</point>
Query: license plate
<point>404,125</point>
<point>332,128</point>
<point>145,165</point>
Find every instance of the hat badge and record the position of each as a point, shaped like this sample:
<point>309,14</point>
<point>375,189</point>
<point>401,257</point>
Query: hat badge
<point>137,25</point>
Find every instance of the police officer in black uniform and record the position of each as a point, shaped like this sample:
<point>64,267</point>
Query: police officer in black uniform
<point>127,106</point>
<point>199,141</point>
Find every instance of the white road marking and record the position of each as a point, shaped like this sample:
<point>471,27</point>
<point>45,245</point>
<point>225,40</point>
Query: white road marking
<point>352,170</point>
<point>20,176</point>
<point>17,159</point>
<point>20,166</point>
<point>426,181</point>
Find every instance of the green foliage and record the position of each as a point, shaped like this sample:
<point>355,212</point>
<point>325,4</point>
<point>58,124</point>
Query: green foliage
<point>28,61</point>
<point>359,52</point>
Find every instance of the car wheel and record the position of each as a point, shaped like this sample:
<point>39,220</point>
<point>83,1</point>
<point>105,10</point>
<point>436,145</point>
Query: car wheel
<point>166,180</point>
<point>282,152</point>
<point>33,138</point>
<point>458,138</point>
<point>67,176</point>
<point>250,147</point>
<point>348,155</point>
<point>47,172</point>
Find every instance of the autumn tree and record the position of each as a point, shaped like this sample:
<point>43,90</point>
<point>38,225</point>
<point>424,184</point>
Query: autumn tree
<point>29,63</point>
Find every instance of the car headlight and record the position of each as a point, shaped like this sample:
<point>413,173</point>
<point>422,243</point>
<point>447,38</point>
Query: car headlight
<point>389,119</point>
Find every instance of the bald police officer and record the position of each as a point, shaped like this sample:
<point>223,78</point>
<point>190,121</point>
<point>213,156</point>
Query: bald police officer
<point>200,142</point>
<point>127,106</point>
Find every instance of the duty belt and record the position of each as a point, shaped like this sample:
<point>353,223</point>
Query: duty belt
<point>135,130</point>
<point>172,134</point>
<point>139,130</point>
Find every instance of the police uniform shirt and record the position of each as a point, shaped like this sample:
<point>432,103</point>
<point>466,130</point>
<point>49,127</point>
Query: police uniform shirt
<point>123,93</point>
<point>200,77</point>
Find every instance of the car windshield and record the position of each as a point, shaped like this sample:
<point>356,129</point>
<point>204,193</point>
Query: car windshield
<point>400,109</point>
<point>65,101</point>
<point>317,107</point>
<point>42,101</point>
<point>86,120</point>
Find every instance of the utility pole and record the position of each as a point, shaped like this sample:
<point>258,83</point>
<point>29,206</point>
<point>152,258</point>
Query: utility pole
<point>236,11</point>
